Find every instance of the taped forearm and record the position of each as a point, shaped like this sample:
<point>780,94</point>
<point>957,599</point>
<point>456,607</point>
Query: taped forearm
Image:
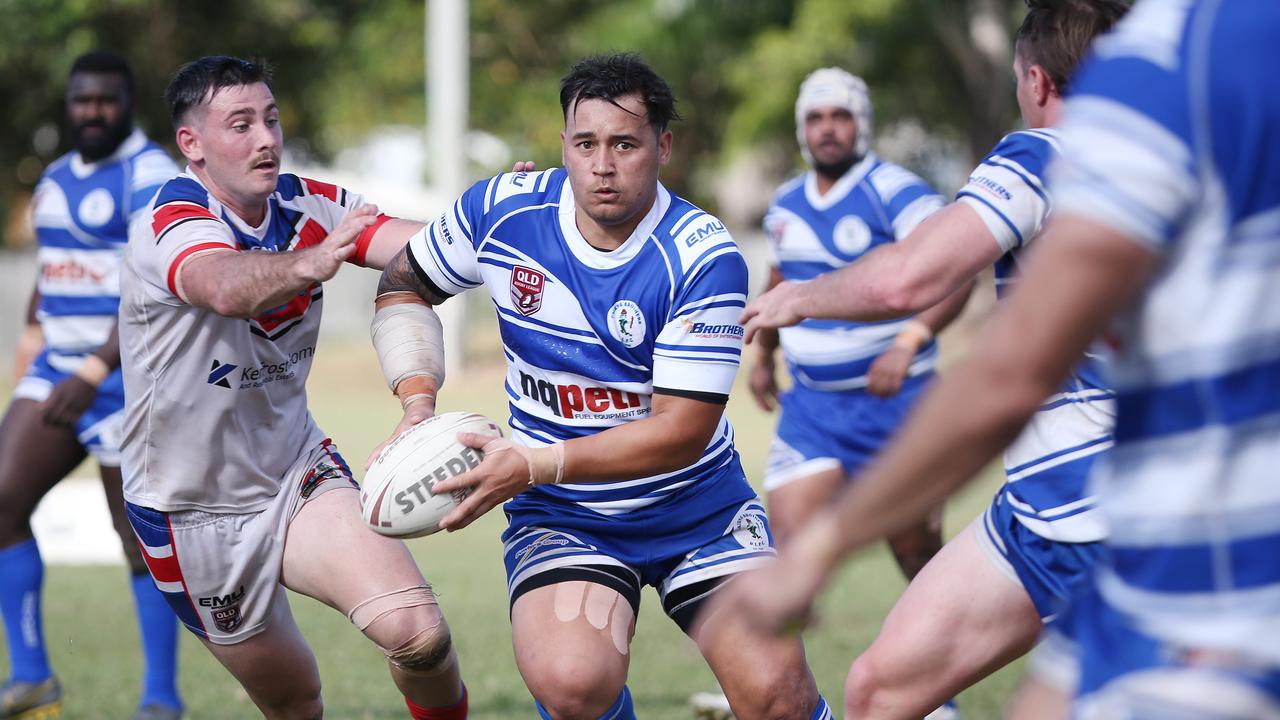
<point>409,340</point>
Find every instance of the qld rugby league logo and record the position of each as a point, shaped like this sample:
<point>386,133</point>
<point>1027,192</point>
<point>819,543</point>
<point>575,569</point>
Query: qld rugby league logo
<point>526,289</point>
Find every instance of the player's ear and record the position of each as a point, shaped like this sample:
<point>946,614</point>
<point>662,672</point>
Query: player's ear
<point>189,143</point>
<point>1042,87</point>
<point>664,147</point>
<point>564,150</point>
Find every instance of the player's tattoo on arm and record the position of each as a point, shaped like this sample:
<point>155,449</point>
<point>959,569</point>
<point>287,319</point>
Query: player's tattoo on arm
<point>402,275</point>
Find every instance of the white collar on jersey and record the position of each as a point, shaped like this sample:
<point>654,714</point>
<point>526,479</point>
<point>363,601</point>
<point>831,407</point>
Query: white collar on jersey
<point>847,182</point>
<point>599,259</point>
<point>131,145</point>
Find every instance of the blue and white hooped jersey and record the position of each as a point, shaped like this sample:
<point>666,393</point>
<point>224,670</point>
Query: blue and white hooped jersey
<point>1173,139</point>
<point>589,335</point>
<point>1047,467</point>
<point>81,216</point>
<point>811,234</point>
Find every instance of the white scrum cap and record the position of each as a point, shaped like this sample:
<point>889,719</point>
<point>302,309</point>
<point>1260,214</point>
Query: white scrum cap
<point>835,87</point>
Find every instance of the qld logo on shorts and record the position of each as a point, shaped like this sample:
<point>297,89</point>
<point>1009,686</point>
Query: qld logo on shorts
<point>225,609</point>
<point>526,289</point>
<point>626,323</point>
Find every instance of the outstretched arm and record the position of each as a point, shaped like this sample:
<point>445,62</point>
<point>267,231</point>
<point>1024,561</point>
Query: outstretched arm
<point>895,280</point>
<point>1081,275</point>
<point>245,284</point>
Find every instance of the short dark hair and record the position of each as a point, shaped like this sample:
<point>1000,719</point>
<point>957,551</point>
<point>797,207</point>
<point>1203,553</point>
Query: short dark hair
<point>196,82</point>
<point>1056,34</point>
<point>616,75</point>
<point>104,62</point>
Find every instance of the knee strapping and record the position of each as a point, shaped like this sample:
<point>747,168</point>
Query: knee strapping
<point>424,649</point>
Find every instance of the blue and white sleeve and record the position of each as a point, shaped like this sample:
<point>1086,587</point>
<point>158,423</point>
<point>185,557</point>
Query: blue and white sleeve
<point>151,169</point>
<point>443,254</point>
<point>1008,190</point>
<point>698,350</point>
<point>1127,159</point>
<point>908,200</point>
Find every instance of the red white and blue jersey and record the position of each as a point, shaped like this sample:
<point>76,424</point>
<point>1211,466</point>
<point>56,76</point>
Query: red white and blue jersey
<point>81,216</point>
<point>590,335</point>
<point>811,234</point>
<point>216,407</point>
<point>1047,468</point>
<point>1173,138</point>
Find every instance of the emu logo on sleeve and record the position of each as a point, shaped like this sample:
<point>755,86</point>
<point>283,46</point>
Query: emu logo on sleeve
<point>626,323</point>
<point>526,289</point>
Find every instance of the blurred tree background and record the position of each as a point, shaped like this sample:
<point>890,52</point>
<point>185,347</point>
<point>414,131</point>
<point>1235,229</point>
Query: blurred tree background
<point>938,69</point>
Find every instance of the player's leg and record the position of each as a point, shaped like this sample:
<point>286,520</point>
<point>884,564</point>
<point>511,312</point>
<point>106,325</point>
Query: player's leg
<point>573,613</point>
<point>793,500</point>
<point>332,556</point>
<point>275,666</point>
<point>220,574</point>
<point>572,644</point>
<point>157,624</point>
<point>762,675</point>
<point>34,457</point>
<point>959,620</point>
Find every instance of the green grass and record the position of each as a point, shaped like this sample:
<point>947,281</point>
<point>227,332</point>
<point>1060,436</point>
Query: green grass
<point>92,636</point>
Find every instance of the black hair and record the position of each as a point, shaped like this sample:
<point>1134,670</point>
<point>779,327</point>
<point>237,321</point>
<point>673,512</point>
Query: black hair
<point>196,82</point>
<point>614,76</point>
<point>1056,34</point>
<point>104,62</point>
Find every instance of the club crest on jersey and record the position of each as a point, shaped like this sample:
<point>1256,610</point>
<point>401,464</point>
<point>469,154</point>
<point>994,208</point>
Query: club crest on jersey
<point>96,208</point>
<point>526,289</point>
<point>626,323</point>
<point>749,528</point>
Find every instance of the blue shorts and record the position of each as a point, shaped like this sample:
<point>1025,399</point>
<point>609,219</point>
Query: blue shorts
<point>1051,572</point>
<point>821,430</point>
<point>1119,671</point>
<point>101,427</point>
<point>684,546</point>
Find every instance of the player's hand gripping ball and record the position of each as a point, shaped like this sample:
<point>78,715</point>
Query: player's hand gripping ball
<point>396,497</point>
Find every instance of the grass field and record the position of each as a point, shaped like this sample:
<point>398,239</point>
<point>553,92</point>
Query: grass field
<point>91,631</point>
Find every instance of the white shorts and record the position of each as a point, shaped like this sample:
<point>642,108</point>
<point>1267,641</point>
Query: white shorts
<point>221,571</point>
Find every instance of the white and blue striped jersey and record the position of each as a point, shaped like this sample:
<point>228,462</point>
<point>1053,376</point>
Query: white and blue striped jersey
<point>811,234</point>
<point>1173,138</point>
<point>1047,467</point>
<point>589,336</point>
<point>81,214</point>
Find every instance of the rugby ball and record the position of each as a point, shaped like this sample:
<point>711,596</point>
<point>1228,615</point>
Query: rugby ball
<point>396,497</point>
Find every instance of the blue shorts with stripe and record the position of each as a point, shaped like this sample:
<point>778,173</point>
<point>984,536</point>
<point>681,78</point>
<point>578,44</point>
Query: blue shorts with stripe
<point>684,545</point>
<point>1050,571</point>
<point>819,430</point>
<point>1118,670</point>
<point>100,428</point>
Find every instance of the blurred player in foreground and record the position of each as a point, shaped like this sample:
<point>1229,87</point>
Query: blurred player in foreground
<point>70,402</point>
<point>1167,217</point>
<point>233,490</point>
<point>981,602</point>
<point>852,382</point>
<point>618,305</point>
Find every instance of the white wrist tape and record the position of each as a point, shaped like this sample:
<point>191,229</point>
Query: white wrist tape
<point>409,340</point>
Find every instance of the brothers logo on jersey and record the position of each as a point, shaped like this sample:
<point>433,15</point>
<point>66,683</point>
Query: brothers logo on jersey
<point>710,331</point>
<point>626,323</point>
<point>526,289</point>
